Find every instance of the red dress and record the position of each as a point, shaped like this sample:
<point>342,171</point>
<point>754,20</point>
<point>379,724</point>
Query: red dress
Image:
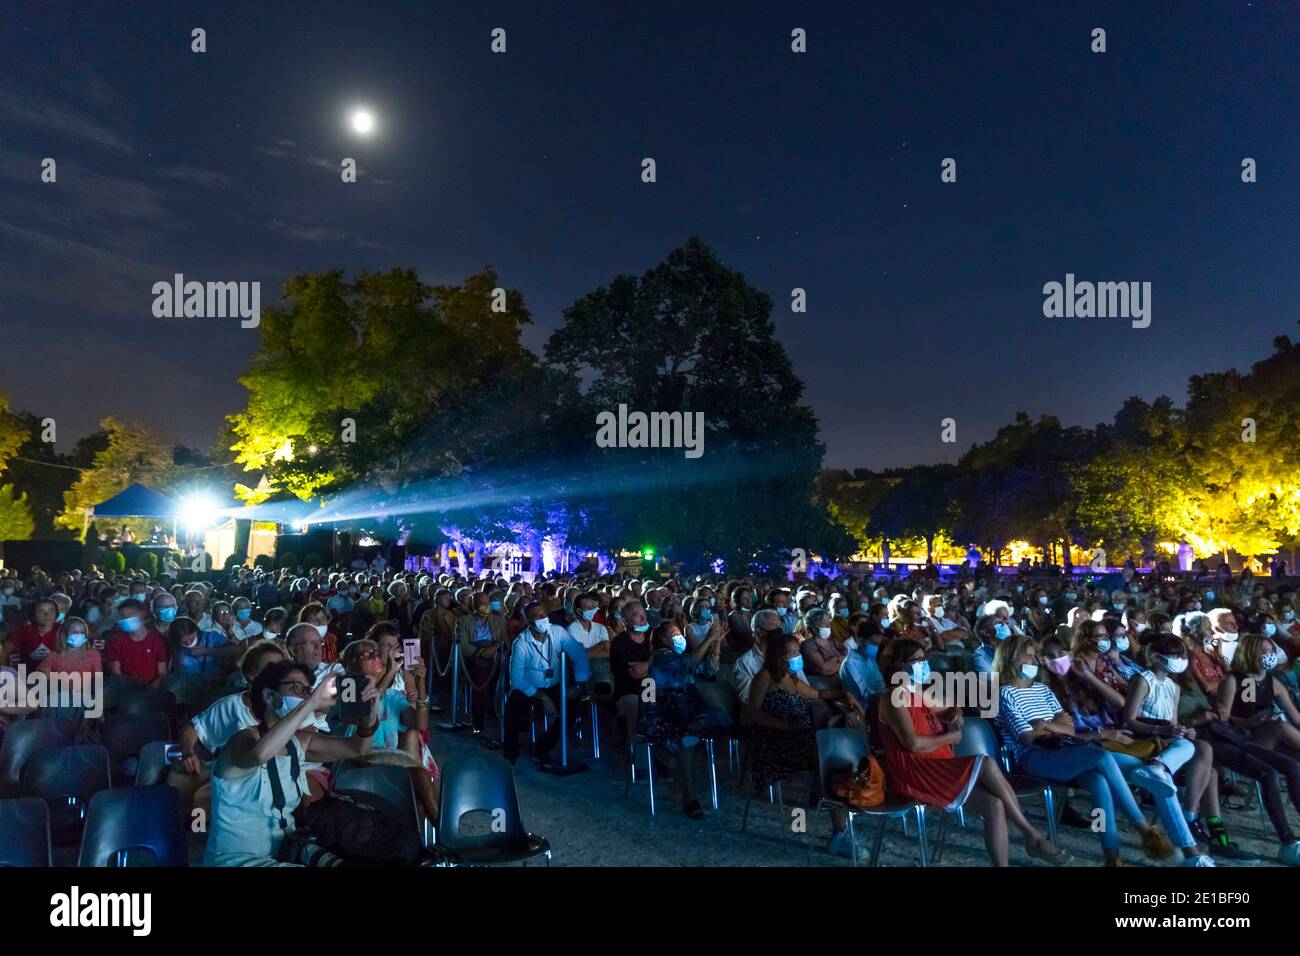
<point>938,778</point>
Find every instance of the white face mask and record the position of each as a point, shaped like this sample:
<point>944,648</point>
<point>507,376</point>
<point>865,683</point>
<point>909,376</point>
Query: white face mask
<point>823,632</point>
<point>321,629</point>
<point>1028,671</point>
<point>1176,665</point>
<point>76,640</point>
<point>1229,650</point>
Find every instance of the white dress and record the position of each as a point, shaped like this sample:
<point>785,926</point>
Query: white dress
<point>246,828</point>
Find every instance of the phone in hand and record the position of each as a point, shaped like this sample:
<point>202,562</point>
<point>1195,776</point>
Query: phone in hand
<point>351,706</point>
<point>410,652</point>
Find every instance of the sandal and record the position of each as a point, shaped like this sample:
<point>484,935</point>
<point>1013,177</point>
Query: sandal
<point>1036,851</point>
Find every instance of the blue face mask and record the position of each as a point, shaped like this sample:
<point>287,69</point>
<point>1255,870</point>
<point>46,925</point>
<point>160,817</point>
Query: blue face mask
<point>167,614</point>
<point>1002,631</point>
<point>641,628</point>
<point>496,605</point>
<point>920,672</point>
<point>541,625</point>
<point>589,614</point>
<point>679,644</point>
<point>795,664</point>
<point>1209,595</point>
<point>864,606</point>
<point>129,624</point>
<point>706,614</point>
<point>245,613</point>
<point>842,612</point>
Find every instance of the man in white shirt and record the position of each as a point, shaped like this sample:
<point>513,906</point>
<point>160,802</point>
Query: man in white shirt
<point>751,662</point>
<point>535,676</point>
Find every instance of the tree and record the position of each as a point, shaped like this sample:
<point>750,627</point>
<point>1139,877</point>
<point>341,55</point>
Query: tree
<point>378,377</point>
<point>15,516</point>
<point>132,453</point>
<point>692,336</point>
<point>919,505</point>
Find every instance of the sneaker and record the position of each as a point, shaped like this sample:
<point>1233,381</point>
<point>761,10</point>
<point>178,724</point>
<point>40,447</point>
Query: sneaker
<point>1289,855</point>
<point>1155,779</point>
<point>1198,861</point>
<point>1199,833</point>
<point>1156,845</point>
<point>839,845</point>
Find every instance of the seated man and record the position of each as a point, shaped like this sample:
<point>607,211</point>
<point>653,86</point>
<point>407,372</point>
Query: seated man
<point>133,650</point>
<point>535,677</point>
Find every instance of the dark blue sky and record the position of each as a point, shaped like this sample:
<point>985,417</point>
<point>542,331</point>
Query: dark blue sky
<point>818,170</point>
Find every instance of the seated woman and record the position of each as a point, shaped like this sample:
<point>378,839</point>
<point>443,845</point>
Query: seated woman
<point>1151,712</point>
<point>72,652</point>
<point>784,741</point>
<point>920,763</point>
<point>403,717</point>
<point>1041,737</point>
<point>676,713</point>
<point>860,675</point>
<point>1094,707</point>
<point>822,652</point>
<point>260,777</point>
<point>1092,648</point>
<point>1207,665</point>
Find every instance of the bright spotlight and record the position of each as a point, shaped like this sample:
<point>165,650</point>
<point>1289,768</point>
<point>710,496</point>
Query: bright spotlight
<point>198,511</point>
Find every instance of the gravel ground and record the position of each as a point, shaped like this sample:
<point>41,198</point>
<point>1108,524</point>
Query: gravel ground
<point>589,822</point>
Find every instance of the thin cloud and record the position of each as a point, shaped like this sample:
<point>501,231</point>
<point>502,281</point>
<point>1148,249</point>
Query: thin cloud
<point>63,122</point>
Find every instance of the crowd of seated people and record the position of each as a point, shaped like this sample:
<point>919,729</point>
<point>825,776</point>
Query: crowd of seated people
<point>1129,691</point>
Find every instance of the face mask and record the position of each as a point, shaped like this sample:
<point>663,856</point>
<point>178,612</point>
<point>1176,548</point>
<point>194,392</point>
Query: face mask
<point>129,624</point>
<point>1176,665</point>
<point>496,606</point>
<point>1019,588</point>
<point>1119,605</point>
<point>321,629</point>
<point>842,612</point>
<point>287,704</point>
<point>864,606</point>
<point>823,632</point>
<point>244,614</point>
<point>1289,615</point>
<point>795,664</point>
<point>192,640</point>
<point>1060,666</point>
<point>1002,631</point>
<point>1269,661</point>
<point>1209,595</point>
<point>705,614</point>
<point>1042,599</point>
<point>76,640</point>
<point>713,602</point>
<point>920,672</point>
<point>1103,645</point>
<point>1071,595</point>
<point>167,614</point>
<point>1028,671</point>
<point>1121,644</point>
<point>1196,606</point>
<point>1269,628</point>
<point>679,644</point>
<point>589,614</point>
<point>1228,650</point>
<point>1140,626</point>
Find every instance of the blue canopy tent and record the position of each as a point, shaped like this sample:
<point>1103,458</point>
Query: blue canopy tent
<point>137,501</point>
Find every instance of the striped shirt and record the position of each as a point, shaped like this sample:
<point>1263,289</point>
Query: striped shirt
<point>1019,707</point>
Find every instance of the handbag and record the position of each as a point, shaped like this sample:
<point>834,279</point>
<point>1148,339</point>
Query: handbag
<point>864,789</point>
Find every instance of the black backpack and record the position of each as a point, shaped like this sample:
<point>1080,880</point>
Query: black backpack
<point>362,828</point>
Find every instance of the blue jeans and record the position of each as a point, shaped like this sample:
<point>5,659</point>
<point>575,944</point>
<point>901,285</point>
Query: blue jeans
<point>1167,808</point>
<point>1095,770</point>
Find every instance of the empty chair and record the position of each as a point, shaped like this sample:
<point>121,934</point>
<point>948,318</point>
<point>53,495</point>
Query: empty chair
<point>135,826</point>
<point>842,750</point>
<point>25,833</point>
<point>66,778</point>
<point>390,782</point>
<point>152,766</point>
<point>485,784</point>
<point>24,738</point>
<point>149,702</point>
<point>125,735</point>
<point>188,690</point>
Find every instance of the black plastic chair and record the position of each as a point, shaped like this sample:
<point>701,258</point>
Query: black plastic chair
<point>125,736</point>
<point>842,750</point>
<point>152,766</point>
<point>66,778</point>
<point>25,833</point>
<point>978,737</point>
<point>486,784</point>
<point>188,690</point>
<point>149,702</point>
<point>390,782</point>
<point>22,739</point>
<point>137,818</point>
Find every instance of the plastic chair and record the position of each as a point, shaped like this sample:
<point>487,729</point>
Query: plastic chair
<point>484,783</point>
<point>842,750</point>
<point>136,818</point>
<point>392,783</point>
<point>125,735</point>
<point>978,737</point>
<point>25,833</point>
<point>66,778</point>
<point>22,739</point>
<point>153,765</point>
<point>187,690</point>
<point>149,702</point>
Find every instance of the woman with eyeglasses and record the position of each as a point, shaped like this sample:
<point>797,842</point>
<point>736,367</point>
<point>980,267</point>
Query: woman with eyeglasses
<point>260,777</point>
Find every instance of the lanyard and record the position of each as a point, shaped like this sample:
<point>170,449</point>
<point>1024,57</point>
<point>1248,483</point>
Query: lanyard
<point>546,658</point>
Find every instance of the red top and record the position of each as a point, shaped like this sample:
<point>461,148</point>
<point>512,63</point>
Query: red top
<point>26,639</point>
<point>139,659</point>
<point>84,661</point>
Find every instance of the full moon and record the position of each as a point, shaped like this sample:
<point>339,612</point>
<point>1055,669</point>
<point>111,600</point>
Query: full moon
<point>363,122</point>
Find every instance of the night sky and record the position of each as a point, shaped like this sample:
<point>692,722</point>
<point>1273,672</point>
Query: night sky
<point>818,170</point>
